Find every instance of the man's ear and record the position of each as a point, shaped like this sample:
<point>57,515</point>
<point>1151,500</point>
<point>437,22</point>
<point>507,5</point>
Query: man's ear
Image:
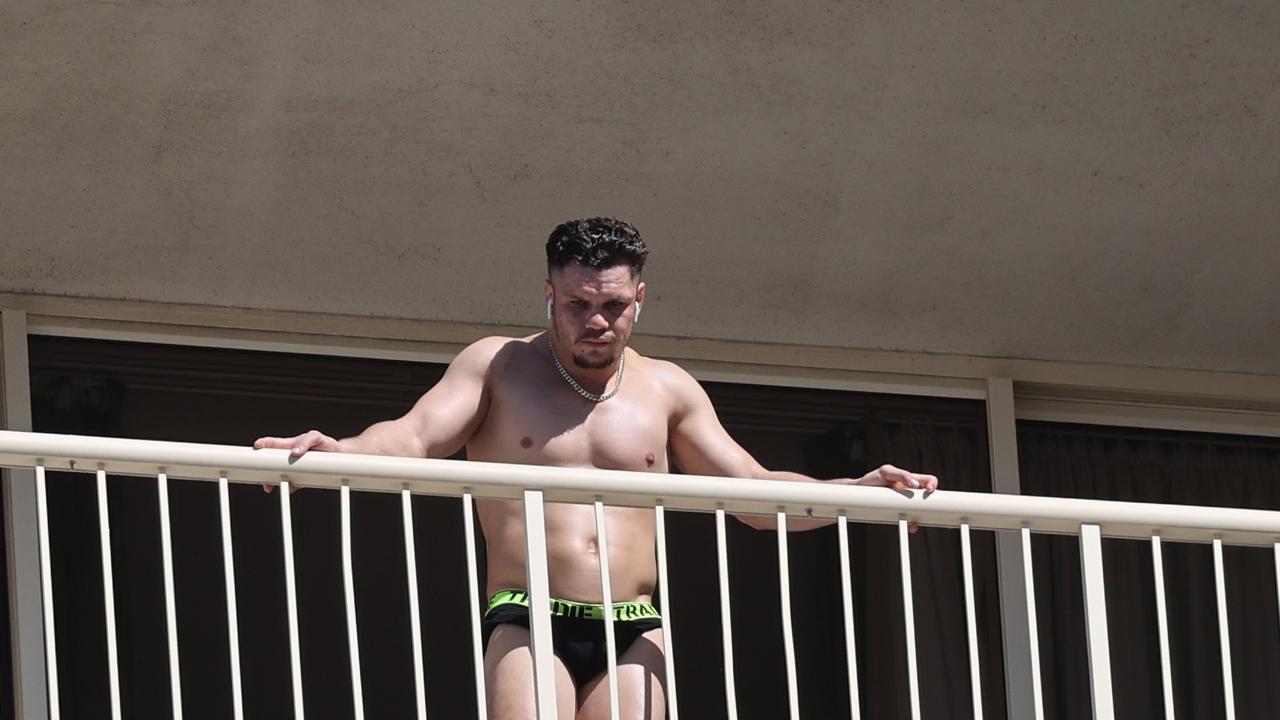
<point>639,302</point>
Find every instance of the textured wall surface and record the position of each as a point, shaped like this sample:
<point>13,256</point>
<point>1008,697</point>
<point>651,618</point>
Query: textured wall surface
<point>1059,180</point>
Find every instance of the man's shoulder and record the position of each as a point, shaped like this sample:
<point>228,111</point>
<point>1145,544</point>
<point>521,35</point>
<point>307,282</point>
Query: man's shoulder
<point>670,377</point>
<point>494,344</point>
<point>662,369</point>
<point>484,352</point>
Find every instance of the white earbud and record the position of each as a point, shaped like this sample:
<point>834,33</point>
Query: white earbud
<point>548,308</point>
<point>638,305</point>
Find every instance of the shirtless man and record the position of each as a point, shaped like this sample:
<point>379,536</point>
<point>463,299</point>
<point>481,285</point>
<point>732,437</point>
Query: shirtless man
<point>575,396</point>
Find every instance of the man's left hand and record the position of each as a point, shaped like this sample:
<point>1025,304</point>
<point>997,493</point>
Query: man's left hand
<point>899,480</point>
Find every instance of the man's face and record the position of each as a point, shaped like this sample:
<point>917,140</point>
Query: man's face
<point>593,311</point>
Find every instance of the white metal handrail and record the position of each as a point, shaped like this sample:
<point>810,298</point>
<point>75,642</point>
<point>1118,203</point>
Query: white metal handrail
<point>982,511</point>
<point>1090,520</point>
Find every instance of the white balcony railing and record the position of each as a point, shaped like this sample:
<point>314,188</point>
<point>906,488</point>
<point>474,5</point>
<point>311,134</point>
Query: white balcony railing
<point>1090,520</point>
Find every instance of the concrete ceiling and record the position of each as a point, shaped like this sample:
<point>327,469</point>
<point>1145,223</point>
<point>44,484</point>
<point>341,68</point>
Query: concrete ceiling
<point>1080,181</point>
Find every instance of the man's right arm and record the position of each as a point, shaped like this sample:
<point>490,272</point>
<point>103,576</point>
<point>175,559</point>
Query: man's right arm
<point>437,426</point>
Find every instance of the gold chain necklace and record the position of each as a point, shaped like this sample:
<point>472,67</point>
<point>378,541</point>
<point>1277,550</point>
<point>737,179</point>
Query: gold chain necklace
<point>583,391</point>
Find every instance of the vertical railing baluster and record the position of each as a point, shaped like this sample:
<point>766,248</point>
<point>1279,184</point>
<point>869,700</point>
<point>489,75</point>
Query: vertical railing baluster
<point>349,591</point>
<point>664,607</point>
<point>291,599</point>
<point>229,574</point>
<point>846,592</point>
<point>170,604</point>
<point>1224,635</point>
<point>971,620</point>
<point>1095,621</point>
<point>1162,619</point>
<point>46,594</point>
<point>908,611</point>
<point>108,593</point>
<point>788,638</point>
<point>415,620</point>
<point>726,621</point>
<point>606,592</point>
<point>1033,631</point>
<point>473,589</point>
<point>535,539</point>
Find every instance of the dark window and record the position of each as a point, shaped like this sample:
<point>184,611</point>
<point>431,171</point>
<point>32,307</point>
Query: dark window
<point>1143,465</point>
<point>231,397</point>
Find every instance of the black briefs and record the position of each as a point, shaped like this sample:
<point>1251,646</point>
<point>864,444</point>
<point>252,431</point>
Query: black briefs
<point>577,629</point>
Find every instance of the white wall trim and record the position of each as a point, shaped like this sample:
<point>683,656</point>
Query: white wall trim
<point>1138,412</point>
<point>1168,398</point>
<point>26,623</point>
<point>1002,435</point>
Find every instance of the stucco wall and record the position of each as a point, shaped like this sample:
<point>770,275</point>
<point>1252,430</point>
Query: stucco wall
<point>1064,180</point>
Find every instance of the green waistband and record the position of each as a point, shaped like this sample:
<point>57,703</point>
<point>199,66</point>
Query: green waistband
<point>570,609</point>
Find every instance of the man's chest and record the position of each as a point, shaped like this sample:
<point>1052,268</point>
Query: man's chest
<point>548,423</point>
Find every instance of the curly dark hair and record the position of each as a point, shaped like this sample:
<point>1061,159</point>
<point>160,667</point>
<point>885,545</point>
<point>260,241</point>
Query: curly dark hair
<point>596,243</point>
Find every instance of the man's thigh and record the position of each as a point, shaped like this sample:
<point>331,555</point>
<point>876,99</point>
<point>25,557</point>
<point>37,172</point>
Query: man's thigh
<point>508,672</point>
<point>641,684</point>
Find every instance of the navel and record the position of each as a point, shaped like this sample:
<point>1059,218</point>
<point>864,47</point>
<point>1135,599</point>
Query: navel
<point>650,459</point>
<point>526,442</point>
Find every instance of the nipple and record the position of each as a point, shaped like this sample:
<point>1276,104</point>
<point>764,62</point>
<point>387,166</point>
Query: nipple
<point>650,459</point>
<point>526,442</point>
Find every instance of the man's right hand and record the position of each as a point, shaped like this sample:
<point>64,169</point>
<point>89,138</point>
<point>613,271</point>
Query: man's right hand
<point>297,446</point>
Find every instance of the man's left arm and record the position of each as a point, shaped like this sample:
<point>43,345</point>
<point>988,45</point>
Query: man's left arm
<point>701,446</point>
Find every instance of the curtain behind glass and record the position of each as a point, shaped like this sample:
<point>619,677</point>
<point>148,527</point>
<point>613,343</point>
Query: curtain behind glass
<point>1157,466</point>
<point>224,396</point>
<point>828,435</point>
